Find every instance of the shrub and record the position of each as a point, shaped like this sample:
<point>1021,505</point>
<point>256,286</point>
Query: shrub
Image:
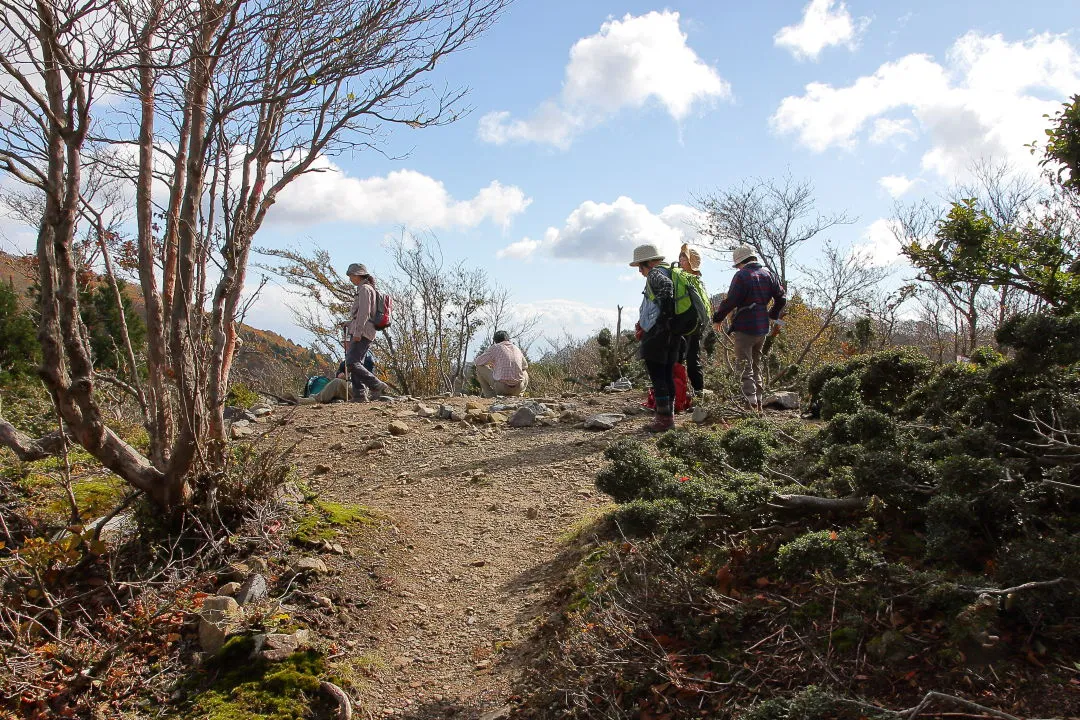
<point>749,443</point>
<point>633,472</point>
<point>241,395</point>
<point>645,517</point>
<point>890,375</point>
<point>696,448</point>
<point>1041,340</point>
<point>840,395</point>
<point>844,553</point>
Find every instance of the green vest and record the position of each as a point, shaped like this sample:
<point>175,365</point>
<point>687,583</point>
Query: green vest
<point>690,296</point>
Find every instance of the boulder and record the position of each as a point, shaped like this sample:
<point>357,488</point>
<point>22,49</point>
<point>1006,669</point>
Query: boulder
<point>785,400</point>
<point>261,410</point>
<point>603,421</point>
<point>496,417</point>
<point>425,412</point>
<point>524,417</point>
<point>306,565</point>
<point>240,430</point>
<point>230,589</point>
<point>275,647</point>
<point>398,428</point>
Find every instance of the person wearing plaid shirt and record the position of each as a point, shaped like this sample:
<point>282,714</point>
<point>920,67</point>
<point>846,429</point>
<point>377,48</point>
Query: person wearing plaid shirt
<point>751,291</point>
<point>501,369</point>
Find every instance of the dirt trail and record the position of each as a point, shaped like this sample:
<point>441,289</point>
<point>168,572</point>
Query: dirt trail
<point>477,515</point>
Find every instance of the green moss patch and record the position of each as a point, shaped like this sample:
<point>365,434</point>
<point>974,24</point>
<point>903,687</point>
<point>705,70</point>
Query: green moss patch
<point>257,689</point>
<point>323,520</point>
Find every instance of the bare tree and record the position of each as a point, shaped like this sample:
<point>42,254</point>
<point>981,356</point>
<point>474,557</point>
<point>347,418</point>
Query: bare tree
<point>842,282</point>
<point>500,315</point>
<point>774,216</point>
<point>226,103</point>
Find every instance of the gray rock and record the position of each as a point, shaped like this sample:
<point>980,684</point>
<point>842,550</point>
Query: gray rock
<point>785,400</point>
<point>252,591</point>
<point>524,417</point>
<point>261,410</point>
<point>603,421</point>
<point>445,411</point>
<point>700,415</point>
<point>425,412</point>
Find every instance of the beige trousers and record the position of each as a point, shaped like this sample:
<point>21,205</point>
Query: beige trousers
<point>336,389</point>
<point>748,354</point>
<point>490,387</point>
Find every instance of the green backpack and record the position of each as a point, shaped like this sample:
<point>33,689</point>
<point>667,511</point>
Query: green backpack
<point>693,310</point>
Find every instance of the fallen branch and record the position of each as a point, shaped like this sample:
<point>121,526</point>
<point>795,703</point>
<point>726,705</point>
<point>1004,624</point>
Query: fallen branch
<point>344,704</point>
<point>815,504</point>
<point>932,695</point>
<point>26,448</point>
<point>1018,588</point>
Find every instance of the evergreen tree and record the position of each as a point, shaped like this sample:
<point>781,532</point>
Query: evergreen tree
<point>18,341</point>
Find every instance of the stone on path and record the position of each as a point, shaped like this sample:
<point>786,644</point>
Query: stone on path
<point>220,616</point>
<point>524,417</point>
<point>603,421</point>
<point>398,428</point>
<point>785,400</point>
<point>252,591</point>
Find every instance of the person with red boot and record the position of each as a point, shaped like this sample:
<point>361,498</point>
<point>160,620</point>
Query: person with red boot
<point>660,341</point>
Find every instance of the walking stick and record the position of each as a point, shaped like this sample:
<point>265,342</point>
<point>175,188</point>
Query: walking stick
<point>345,342</point>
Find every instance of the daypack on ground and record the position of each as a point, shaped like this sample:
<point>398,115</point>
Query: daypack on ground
<point>315,384</point>
<point>682,395</point>
<point>384,304</point>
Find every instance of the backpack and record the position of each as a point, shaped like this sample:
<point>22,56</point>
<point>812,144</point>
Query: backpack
<point>315,384</point>
<point>681,402</point>
<point>384,304</point>
<point>693,311</point>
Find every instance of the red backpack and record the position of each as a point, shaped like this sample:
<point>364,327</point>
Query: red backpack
<point>682,397</point>
<point>384,304</point>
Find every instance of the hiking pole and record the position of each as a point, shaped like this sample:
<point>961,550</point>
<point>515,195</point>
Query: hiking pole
<point>345,343</point>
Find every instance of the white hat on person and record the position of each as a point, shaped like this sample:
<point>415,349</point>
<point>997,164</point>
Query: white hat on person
<point>742,253</point>
<point>644,254</point>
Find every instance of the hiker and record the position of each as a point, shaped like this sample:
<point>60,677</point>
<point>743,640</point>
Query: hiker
<point>660,339</point>
<point>502,368</point>
<point>751,317</point>
<point>361,332</point>
<point>690,356</point>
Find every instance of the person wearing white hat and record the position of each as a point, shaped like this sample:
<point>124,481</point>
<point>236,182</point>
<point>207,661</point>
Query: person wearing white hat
<point>659,342</point>
<point>748,298</point>
<point>361,332</point>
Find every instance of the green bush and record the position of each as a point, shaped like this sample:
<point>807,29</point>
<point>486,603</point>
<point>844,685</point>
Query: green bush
<point>633,472</point>
<point>1041,340</point>
<point>696,448</point>
<point>890,375</point>
<point>241,395</point>
<point>811,703</point>
<point>844,553</point>
<point>749,443</point>
<point>840,396</point>
<point>645,517</point>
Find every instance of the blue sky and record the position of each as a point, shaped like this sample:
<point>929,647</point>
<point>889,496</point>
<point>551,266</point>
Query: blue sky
<point>595,123</point>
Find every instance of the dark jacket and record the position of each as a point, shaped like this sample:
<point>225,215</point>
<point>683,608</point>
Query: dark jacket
<point>751,290</point>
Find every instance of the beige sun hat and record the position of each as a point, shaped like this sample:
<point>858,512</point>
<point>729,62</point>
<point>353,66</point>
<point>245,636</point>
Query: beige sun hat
<point>645,253</point>
<point>693,257</point>
<point>741,254</point>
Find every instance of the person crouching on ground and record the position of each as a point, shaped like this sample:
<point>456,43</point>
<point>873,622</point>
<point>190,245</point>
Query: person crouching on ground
<point>690,262</point>
<point>502,368</point>
<point>748,299</point>
<point>361,332</point>
<point>660,344</point>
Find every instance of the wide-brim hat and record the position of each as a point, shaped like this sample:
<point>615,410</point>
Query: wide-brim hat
<point>644,254</point>
<point>693,257</point>
<point>741,254</point>
<point>357,269</point>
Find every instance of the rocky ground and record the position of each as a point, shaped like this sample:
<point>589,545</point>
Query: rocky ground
<point>435,609</point>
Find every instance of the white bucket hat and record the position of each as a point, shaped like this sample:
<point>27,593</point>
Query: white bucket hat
<point>645,253</point>
<point>741,254</point>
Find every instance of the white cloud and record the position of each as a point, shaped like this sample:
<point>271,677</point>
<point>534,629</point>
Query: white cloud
<point>896,185</point>
<point>824,23</point>
<point>403,196</point>
<point>987,99</point>
<point>559,316</point>
<point>880,244</point>
<point>628,64</point>
<point>609,232</point>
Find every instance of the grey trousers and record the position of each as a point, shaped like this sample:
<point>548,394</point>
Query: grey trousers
<point>748,354</point>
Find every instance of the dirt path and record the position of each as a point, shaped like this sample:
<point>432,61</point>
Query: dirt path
<point>477,516</point>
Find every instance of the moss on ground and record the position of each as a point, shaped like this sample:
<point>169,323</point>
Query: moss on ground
<point>323,520</point>
<point>257,689</point>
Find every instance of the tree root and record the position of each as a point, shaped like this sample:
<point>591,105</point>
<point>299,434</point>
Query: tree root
<point>344,704</point>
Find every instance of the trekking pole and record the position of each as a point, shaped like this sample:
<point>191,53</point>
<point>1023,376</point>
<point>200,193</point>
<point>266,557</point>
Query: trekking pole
<point>345,343</point>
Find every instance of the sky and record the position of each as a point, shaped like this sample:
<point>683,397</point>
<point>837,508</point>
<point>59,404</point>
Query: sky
<point>594,125</point>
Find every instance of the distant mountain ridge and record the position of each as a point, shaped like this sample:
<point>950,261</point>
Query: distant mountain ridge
<point>265,361</point>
